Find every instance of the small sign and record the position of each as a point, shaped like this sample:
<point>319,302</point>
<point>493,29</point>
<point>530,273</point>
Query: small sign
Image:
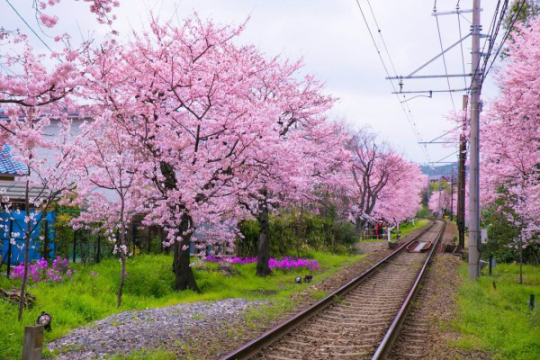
<point>483,236</point>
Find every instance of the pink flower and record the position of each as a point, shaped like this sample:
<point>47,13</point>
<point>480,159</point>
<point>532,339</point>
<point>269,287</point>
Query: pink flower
<point>47,20</point>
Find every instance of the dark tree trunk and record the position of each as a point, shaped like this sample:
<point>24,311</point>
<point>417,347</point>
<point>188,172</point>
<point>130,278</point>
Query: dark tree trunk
<point>149,239</point>
<point>74,245</point>
<point>98,252</point>
<point>263,251</point>
<point>122,280</point>
<point>184,278</point>
<point>520,259</point>
<point>358,224</point>
<point>123,253</point>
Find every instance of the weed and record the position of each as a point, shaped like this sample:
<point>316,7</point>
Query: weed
<point>318,294</point>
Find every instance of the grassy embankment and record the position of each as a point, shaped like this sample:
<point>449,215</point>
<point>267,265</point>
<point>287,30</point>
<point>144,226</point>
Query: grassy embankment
<point>87,298</point>
<point>497,319</point>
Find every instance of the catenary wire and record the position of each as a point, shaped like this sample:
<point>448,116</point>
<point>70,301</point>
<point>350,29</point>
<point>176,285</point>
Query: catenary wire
<point>28,25</point>
<point>492,34</point>
<point>407,114</point>
<point>461,46</point>
<point>444,57</point>
<point>408,109</point>
<point>505,37</point>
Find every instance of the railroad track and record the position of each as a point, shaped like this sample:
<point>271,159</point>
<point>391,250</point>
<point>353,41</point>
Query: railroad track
<point>361,320</point>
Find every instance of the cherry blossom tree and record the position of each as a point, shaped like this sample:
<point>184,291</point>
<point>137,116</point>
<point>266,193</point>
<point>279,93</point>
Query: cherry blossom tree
<point>102,8</point>
<point>373,164</point>
<point>45,178</point>
<point>36,100</point>
<point>191,103</point>
<point>400,199</point>
<point>511,137</point>
<point>306,151</point>
<point>109,187</point>
<point>381,184</point>
<point>310,159</point>
<point>440,201</point>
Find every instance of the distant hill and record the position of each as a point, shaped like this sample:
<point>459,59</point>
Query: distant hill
<point>436,171</point>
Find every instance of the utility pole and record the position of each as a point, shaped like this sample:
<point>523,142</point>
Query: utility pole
<point>475,89</point>
<point>439,204</point>
<point>462,177</point>
<point>452,195</point>
<point>474,142</point>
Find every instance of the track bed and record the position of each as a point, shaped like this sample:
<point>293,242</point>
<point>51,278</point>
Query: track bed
<point>354,324</point>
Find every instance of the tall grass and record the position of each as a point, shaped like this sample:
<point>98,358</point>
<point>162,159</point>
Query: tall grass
<point>149,282</point>
<point>497,318</point>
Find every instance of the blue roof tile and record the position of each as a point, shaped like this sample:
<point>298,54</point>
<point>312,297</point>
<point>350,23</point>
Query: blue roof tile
<point>8,165</point>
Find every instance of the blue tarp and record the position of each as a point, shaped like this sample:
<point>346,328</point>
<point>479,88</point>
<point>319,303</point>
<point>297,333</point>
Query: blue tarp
<point>17,250</point>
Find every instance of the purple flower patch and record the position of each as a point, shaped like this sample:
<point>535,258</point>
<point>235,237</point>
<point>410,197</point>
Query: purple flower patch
<point>287,263</point>
<point>42,271</point>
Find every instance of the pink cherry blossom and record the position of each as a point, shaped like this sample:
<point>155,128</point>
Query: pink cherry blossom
<point>511,136</point>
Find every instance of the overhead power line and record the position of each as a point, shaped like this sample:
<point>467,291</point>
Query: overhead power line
<point>407,112</point>
<point>495,25</point>
<point>444,57</point>
<point>28,25</point>
<point>461,44</point>
<point>505,37</point>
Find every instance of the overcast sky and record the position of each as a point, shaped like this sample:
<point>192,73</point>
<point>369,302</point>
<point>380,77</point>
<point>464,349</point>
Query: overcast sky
<point>333,40</point>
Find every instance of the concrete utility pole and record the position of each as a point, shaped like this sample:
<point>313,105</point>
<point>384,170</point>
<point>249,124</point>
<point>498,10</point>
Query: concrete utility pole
<point>439,205</point>
<point>452,195</point>
<point>461,178</point>
<point>474,144</point>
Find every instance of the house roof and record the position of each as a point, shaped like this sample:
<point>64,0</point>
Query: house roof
<point>438,177</point>
<point>16,192</point>
<point>8,166</point>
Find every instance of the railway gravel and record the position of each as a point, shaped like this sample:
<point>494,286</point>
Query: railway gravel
<point>426,332</point>
<point>165,328</point>
<point>352,327</point>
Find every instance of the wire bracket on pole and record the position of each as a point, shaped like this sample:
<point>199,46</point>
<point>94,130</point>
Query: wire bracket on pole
<point>458,12</point>
<point>441,54</point>
<point>429,91</point>
<point>426,76</point>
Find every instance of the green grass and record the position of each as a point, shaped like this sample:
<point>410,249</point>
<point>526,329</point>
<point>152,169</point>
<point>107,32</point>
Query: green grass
<point>409,228</point>
<point>149,284</point>
<point>498,321</point>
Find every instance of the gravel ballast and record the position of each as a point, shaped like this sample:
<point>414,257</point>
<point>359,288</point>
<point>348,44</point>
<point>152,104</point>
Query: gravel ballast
<point>165,328</point>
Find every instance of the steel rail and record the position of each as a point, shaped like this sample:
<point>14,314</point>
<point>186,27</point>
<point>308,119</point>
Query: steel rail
<point>253,347</point>
<point>390,337</point>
